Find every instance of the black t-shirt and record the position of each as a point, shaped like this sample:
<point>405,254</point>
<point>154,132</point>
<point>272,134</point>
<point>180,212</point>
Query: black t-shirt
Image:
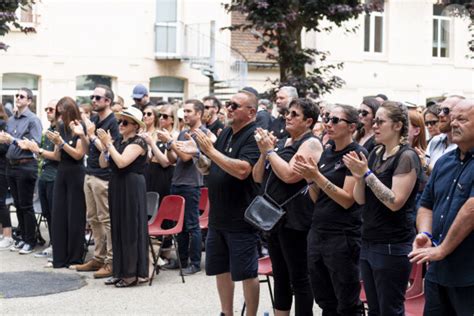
<point>93,167</point>
<point>229,197</point>
<point>278,127</point>
<point>215,127</point>
<point>299,210</point>
<point>381,225</point>
<point>3,149</point>
<point>329,216</point>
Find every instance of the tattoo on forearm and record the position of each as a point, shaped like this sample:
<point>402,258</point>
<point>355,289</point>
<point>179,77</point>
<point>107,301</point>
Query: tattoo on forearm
<point>384,194</point>
<point>329,186</point>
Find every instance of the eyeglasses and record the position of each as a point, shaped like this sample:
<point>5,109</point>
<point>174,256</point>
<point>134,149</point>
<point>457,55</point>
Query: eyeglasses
<point>444,110</point>
<point>431,123</point>
<point>147,113</point>
<point>379,121</point>
<point>335,120</point>
<point>124,123</point>
<point>164,116</point>
<point>233,105</point>
<point>97,97</point>
<point>49,110</point>
<point>20,96</point>
<point>363,113</point>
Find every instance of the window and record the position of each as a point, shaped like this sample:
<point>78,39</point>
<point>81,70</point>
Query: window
<point>441,30</point>
<point>166,89</point>
<point>373,32</point>
<point>11,82</point>
<point>86,84</point>
<point>166,28</point>
<point>27,15</point>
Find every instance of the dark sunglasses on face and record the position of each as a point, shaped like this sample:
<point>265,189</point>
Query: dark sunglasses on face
<point>445,111</point>
<point>49,110</point>
<point>137,99</point>
<point>207,107</point>
<point>164,116</point>
<point>97,97</point>
<point>124,123</point>
<point>293,114</point>
<point>147,113</point>
<point>21,96</point>
<point>431,123</point>
<point>233,105</point>
<point>379,121</point>
<point>363,113</point>
<point>335,120</point>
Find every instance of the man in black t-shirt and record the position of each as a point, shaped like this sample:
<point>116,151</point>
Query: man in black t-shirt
<point>96,184</point>
<point>231,246</point>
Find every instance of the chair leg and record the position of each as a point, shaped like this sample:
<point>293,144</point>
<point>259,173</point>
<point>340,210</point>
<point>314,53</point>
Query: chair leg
<point>177,256</point>
<point>151,249</point>
<point>243,309</point>
<point>155,264</point>
<point>271,292</point>
<point>38,236</point>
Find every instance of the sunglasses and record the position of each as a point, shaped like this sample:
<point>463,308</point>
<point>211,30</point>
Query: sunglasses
<point>445,111</point>
<point>379,121</point>
<point>49,110</point>
<point>431,123</point>
<point>147,113</point>
<point>124,123</point>
<point>335,120</point>
<point>293,114</point>
<point>164,116</point>
<point>97,97</point>
<point>20,96</point>
<point>363,113</point>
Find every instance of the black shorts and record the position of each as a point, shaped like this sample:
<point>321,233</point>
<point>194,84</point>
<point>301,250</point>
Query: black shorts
<point>234,252</point>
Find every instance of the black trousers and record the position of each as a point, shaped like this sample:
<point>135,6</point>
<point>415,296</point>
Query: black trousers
<point>444,300</point>
<point>333,260</point>
<point>287,248</point>
<point>45,192</point>
<point>22,181</point>
<point>4,212</point>
<point>68,216</point>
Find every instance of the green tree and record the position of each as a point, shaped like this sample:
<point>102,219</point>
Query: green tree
<point>9,19</point>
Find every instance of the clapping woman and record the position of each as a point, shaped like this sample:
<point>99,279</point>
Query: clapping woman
<point>287,244</point>
<point>127,198</point>
<point>68,218</point>
<point>386,184</point>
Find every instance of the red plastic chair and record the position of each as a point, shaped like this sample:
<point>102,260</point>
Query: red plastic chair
<point>414,305</point>
<point>204,209</point>
<point>172,209</point>
<point>265,269</point>
<point>416,281</point>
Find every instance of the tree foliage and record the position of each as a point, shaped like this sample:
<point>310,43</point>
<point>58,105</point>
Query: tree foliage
<point>9,19</point>
<point>279,25</point>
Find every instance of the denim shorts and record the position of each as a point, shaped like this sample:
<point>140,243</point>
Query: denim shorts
<point>234,252</point>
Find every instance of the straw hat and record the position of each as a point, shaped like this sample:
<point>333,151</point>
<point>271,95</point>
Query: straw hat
<point>132,113</point>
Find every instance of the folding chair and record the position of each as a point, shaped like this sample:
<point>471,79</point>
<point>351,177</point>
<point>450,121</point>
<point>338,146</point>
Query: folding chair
<point>264,269</point>
<point>416,281</point>
<point>152,200</point>
<point>204,208</point>
<point>171,209</point>
<point>414,305</point>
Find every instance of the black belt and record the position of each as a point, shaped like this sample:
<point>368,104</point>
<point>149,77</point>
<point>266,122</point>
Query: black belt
<point>15,162</point>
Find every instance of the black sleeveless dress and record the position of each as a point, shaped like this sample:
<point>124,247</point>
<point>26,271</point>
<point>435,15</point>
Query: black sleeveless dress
<point>128,214</point>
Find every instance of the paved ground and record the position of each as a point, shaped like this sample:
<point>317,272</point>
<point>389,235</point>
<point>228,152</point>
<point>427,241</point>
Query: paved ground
<point>167,295</point>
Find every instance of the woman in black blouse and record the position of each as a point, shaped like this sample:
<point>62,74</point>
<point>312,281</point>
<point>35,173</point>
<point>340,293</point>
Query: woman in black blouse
<point>68,218</point>
<point>387,185</point>
<point>274,169</point>
<point>127,199</point>
<point>334,238</point>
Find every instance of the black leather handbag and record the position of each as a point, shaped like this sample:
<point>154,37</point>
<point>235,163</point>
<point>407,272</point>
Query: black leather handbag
<point>264,212</point>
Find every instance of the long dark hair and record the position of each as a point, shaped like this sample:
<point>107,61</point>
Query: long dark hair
<point>70,111</point>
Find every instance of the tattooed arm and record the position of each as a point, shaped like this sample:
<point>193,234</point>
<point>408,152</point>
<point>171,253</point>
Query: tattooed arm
<point>395,198</point>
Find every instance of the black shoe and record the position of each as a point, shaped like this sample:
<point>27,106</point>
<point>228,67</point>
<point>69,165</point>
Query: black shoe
<point>123,283</point>
<point>191,270</point>
<point>171,265</point>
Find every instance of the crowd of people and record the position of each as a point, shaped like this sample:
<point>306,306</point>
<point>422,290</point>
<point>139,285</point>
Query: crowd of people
<point>367,191</point>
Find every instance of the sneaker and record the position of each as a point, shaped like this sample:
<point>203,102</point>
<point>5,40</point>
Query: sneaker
<point>171,265</point>
<point>6,243</point>
<point>104,272</point>
<point>17,246</point>
<point>91,265</point>
<point>46,253</point>
<point>27,248</point>
<point>192,269</point>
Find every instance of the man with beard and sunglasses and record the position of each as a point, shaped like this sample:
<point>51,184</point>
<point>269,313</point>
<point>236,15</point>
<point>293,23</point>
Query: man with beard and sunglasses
<point>140,97</point>
<point>442,143</point>
<point>96,184</point>
<point>22,167</point>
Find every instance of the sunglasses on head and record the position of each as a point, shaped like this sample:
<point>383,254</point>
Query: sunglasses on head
<point>49,110</point>
<point>335,120</point>
<point>123,122</point>
<point>444,110</point>
<point>164,116</point>
<point>363,113</point>
<point>431,123</point>
<point>21,96</point>
<point>97,97</point>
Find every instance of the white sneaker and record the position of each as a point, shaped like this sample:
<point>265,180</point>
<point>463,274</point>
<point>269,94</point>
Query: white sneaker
<point>48,252</point>
<point>6,243</point>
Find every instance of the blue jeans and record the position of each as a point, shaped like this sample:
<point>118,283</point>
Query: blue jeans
<point>385,270</point>
<point>189,241</point>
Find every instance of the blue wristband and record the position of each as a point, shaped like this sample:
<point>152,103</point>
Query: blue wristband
<point>430,237</point>
<point>368,173</point>
<point>62,145</point>
<point>269,152</point>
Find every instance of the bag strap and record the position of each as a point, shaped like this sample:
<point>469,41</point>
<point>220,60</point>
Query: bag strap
<point>303,189</point>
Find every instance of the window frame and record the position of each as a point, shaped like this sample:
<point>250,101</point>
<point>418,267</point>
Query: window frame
<point>371,50</point>
<point>179,33</point>
<point>438,43</point>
